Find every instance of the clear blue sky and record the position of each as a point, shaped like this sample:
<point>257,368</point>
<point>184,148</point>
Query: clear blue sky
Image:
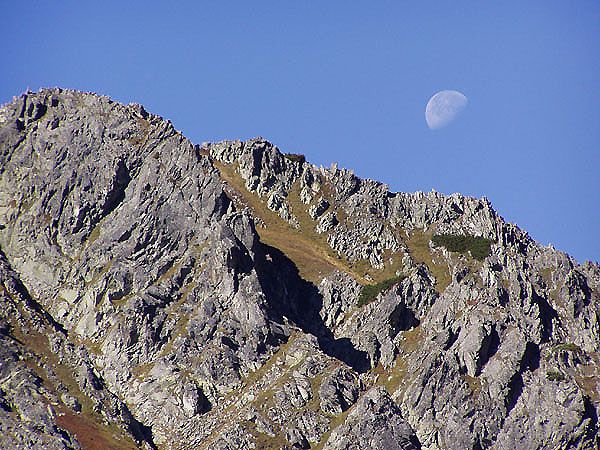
<point>348,82</point>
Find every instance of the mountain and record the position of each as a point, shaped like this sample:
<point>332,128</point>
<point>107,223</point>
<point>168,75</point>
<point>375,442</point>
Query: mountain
<point>160,294</point>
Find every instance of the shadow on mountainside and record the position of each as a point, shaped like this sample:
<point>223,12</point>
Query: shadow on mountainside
<point>290,296</point>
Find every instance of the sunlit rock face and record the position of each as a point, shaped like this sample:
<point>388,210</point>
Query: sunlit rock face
<point>157,293</point>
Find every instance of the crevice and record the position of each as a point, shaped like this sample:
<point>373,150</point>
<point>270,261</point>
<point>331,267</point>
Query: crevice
<point>116,195</point>
<point>4,405</point>
<point>402,318</point>
<point>515,389</point>
<point>590,413</point>
<point>547,315</point>
<point>489,347</point>
<point>529,362</point>
<point>141,432</point>
<point>531,358</point>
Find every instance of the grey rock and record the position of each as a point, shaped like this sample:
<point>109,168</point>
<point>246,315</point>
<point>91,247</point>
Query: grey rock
<point>312,425</point>
<point>339,391</point>
<point>340,296</point>
<point>318,208</point>
<point>194,400</point>
<point>375,423</point>
<point>71,402</point>
<point>140,276</point>
<point>296,438</point>
<point>327,223</point>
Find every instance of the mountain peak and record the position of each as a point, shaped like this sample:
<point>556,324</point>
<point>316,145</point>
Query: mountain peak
<point>156,293</point>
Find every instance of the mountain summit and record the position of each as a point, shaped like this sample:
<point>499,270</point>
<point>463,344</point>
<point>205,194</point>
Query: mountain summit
<point>160,294</point>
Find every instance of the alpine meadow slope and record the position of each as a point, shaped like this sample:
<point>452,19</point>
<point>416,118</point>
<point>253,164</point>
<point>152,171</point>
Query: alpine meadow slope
<point>160,294</point>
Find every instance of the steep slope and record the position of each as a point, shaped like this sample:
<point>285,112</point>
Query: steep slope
<point>230,296</point>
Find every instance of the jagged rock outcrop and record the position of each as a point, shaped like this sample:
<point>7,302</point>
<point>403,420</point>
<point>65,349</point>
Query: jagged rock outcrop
<point>155,293</point>
<point>375,423</point>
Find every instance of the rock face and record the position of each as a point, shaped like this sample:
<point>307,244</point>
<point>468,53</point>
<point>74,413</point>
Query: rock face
<point>160,294</point>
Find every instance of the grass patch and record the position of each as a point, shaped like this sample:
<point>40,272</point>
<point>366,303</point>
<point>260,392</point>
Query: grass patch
<point>413,339</point>
<point>90,434</point>
<point>309,250</point>
<point>392,264</point>
<point>264,441</point>
<point>567,347</point>
<point>141,138</point>
<point>370,291</point>
<point>312,261</point>
<point>397,378</point>
<point>254,376</point>
<point>393,378</point>
<point>478,247</point>
<point>97,277</point>
<point>95,234</point>
<point>555,375</point>
<point>474,384</point>
<point>88,426</point>
<point>334,423</point>
<point>546,274</point>
<point>418,244</point>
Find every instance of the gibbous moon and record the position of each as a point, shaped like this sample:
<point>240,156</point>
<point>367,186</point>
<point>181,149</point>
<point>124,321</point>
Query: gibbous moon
<point>443,108</point>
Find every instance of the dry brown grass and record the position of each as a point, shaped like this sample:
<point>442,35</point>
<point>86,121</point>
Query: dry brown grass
<point>588,378</point>
<point>309,250</point>
<point>304,246</point>
<point>413,339</point>
<point>474,384</point>
<point>262,440</point>
<point>397,378</point>
<point>88,426</point>
<point>591,386</point>
<point>90,434</point>
<point>141,371</point>
<point>143,133</point>
<point>335,422</point>
<point>418,243</point>
<point>546,274</point>
<point>393,264</point>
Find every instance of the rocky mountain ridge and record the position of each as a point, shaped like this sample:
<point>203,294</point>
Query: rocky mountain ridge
<point>157,293</point>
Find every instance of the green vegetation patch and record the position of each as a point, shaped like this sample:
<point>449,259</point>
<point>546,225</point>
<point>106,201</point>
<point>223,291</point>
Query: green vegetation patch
<point>555,375</point>
<point>370,291</point>
<point>478,246</point>
<point>567,347</point>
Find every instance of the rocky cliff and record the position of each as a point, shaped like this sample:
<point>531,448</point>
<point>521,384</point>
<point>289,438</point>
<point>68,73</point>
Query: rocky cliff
<point>160,294</point>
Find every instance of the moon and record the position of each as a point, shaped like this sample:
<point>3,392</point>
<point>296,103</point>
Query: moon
<point>443,108</point>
